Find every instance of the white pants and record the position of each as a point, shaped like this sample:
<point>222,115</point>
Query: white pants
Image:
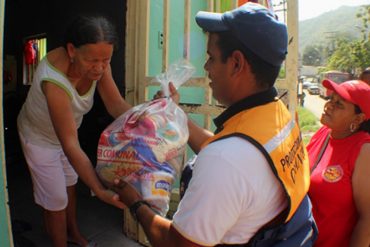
<point>51,174</point>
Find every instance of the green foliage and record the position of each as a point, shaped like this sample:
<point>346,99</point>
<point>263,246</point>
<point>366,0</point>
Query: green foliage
<point>364,15</point>
<point>351,56</point>
<point>312,55</point>
<point>307,120</point>
<point>324,29</point>
<point>282,72</point>
<point>308,123</point>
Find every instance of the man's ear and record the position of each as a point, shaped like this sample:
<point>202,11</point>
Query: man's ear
<point>239,61</point>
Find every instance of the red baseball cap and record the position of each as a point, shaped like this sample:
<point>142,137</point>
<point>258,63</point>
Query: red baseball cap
<point>357,92</point>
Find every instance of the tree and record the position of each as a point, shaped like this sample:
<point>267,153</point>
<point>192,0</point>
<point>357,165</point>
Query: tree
<point>353,56</point>
<point>312,55</point>
<point>364,14</point>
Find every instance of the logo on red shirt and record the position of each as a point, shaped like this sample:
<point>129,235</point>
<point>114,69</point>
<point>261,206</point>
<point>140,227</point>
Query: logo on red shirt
<point>332,174</point>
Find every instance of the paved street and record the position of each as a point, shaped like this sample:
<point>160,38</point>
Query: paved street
<point>314,103</point>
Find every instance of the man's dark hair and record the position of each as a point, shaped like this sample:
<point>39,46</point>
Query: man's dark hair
<point>264,72</point>
<point>90,30</point>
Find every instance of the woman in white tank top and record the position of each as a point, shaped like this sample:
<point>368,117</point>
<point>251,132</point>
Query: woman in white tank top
<point>61,93</point>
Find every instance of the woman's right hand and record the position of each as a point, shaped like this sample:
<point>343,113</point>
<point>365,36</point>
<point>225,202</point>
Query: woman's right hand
<point>110,197</point>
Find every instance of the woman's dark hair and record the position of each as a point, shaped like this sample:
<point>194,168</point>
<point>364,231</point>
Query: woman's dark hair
<point>366,72</point>
<point>365,125</point>
<point>264,72</point>
<point>90,30</point>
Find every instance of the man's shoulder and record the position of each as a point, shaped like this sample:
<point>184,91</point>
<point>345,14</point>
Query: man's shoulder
<point>233,152</point>
<point>231,145</point>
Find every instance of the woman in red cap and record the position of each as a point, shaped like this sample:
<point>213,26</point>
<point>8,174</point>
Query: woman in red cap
<point>339,154</point>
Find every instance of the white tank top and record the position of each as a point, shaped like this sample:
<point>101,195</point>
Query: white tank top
<point>34,120</point>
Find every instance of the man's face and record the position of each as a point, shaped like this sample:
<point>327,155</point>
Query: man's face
<point>218,72</point>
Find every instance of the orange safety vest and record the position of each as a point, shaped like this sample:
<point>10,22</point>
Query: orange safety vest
<point>276,134</point>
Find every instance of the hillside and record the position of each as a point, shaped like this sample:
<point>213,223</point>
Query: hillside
<point>341,22</point>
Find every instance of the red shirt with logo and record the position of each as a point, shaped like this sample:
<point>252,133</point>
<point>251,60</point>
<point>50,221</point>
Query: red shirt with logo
<point>331,186</point>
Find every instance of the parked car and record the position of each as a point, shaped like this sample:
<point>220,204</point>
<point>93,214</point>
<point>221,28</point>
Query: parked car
<point>307,84</point>
<point>335,76</point>
<point>313,89</point>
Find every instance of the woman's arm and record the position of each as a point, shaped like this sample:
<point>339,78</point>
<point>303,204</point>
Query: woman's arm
<point>361,185</point>
<point>113,101</point>
<point>61,115</point>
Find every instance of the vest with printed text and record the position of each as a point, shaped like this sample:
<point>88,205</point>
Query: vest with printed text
<point>264,121</point>
<point>274,132</point>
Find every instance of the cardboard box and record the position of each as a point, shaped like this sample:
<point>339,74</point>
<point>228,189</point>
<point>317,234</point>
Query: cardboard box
<point>133,229</point>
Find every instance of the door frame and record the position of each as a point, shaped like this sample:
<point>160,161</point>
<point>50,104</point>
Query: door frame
<point>6,237</point>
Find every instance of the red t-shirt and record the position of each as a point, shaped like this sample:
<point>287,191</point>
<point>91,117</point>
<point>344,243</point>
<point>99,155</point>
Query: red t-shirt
<point>331,186</point>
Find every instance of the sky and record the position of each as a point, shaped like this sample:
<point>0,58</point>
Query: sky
<point>311,8</point>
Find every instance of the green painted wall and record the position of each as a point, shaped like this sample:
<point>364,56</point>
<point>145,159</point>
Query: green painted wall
<point>5,228</point>
<point>176,41</point>
<point>155,36</point>
<point>176,30</point>
<point>197,54</point>
<point>176,36</point>
<point>225,5</point>
<point>188,95</point>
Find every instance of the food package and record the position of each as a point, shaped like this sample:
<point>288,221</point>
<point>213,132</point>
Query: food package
<point>145,145</point>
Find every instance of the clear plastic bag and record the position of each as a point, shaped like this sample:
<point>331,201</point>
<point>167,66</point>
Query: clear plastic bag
<point>177,73</point>
<point>145,145</point>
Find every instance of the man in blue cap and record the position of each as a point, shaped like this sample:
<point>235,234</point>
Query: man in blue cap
<point>250,179</point>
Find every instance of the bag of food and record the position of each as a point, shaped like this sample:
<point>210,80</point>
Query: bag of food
<point>145,145</point>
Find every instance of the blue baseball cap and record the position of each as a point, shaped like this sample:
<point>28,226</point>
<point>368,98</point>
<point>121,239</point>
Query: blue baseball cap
<point>255,26</point>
